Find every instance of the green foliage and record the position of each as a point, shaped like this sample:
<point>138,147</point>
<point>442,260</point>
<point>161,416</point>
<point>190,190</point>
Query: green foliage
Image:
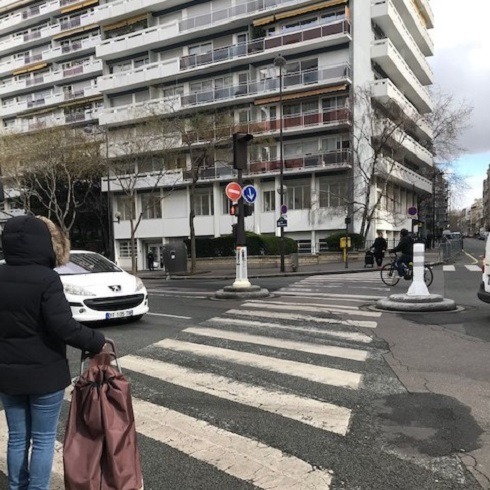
<point>224,246</point>
<point>333,241</point>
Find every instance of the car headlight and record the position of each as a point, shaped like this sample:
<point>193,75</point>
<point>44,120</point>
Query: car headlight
<point>76,290</point>
<point>139,284</point>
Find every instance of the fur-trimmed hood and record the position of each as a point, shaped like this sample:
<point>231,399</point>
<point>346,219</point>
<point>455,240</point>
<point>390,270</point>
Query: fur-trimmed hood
<point>34,240</point>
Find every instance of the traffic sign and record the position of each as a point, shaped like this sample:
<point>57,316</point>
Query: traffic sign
<point>233,191</point>
<point>412,211</point>
<point>249,193</point>
<point>282,222</point>
<point>284,209</point>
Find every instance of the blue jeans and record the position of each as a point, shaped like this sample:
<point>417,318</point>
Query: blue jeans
<point>403,260</point>
<point>31,418</point>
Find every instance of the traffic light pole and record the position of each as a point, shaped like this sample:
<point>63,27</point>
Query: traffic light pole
<point>241,280</point>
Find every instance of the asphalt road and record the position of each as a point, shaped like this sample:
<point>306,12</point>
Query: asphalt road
<point>308,388</point>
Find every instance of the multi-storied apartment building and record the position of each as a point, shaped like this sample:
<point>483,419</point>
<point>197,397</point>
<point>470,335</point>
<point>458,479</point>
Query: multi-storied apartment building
<point>65,62</point>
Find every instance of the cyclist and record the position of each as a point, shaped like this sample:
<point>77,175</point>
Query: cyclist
<point>405,246</point>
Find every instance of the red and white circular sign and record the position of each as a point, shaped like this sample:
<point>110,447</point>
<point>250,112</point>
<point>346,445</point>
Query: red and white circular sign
<point>233,191</point>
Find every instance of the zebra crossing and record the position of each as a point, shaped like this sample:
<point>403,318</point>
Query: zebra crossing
<point>253,393</point>
<point>470,267</point>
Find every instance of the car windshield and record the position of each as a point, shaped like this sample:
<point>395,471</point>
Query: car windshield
<point>81,263</point>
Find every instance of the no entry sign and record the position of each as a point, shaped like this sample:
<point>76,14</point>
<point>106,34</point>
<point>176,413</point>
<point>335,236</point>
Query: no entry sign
<point>233,191</point>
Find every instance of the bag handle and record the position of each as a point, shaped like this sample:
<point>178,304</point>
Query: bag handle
<point>108,352</point>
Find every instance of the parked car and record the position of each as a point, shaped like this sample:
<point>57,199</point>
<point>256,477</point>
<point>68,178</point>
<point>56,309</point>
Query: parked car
<point>484,291</point>
<point>97,289</point>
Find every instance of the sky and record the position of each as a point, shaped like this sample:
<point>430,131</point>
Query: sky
<point>461,65</point>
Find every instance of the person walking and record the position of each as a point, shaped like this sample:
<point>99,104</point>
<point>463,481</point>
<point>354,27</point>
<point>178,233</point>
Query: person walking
<point>405,246</point>
<point>379,248</point>
<point>36,324</point>
<point>151,259</point>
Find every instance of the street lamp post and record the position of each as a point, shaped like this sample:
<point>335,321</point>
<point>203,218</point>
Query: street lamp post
<point>280,61</point>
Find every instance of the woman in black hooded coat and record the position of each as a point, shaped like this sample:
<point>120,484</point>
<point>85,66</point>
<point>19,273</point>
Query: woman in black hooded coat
<point>36,324</point>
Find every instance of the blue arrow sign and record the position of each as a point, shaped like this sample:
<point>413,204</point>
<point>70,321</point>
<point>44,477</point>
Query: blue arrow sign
<point>249,193</point>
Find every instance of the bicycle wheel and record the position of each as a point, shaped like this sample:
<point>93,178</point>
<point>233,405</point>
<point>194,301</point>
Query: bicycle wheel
<point>389,275</point>
<point>428,275</point>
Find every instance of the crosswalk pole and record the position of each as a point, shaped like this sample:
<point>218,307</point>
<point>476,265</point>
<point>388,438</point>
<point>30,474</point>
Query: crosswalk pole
<point>418,286</point>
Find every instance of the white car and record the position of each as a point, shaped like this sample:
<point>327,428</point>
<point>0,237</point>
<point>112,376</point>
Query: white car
<point>98,290</point>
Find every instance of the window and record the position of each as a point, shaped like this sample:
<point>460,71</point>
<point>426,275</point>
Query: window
<point>203,202</point>
<point>333,191</point>
<point>125,207</point>
<point>269,201</point>
<point>200,48</point>
<point>151,206</point>
<point>125,249</point>
<point>298,196</point>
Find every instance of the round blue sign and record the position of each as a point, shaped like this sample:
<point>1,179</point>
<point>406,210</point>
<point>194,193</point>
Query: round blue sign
<point>249,193</point>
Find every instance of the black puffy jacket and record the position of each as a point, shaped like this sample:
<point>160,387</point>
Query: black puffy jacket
<point>35,318</point>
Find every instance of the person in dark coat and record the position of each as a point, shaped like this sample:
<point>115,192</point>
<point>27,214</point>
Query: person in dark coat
<point>36,324</point>
<point>405,247</point>
<point>151,259</point>
<point>379,248</point>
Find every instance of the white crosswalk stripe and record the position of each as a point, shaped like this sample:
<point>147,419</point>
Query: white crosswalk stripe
<point>473,268</point>
<point>448,268</point>
<point>310,372</point>
<point>321,415</point>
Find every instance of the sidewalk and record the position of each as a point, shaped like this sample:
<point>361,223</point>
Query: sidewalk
<point>353,266</point>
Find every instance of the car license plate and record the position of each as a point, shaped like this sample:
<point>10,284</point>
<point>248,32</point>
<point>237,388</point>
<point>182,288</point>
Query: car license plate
<point>119,314</point>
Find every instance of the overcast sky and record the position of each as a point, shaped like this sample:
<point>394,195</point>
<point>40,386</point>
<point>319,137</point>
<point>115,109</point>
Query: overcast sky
<point>461,65</point>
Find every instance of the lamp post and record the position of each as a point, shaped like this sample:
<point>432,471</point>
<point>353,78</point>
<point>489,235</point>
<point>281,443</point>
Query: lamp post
<point>280,61</point>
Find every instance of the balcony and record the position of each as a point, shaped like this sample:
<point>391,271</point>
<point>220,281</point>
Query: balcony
<point>389,59</point>
<point>329,160</point>
<point>28,16</point>
<point>387,17</point>
<point>416,24</point>
<point>385,91</point>
<point>77,47</point>
<point>247,92</point>
<point>426,11</point>
<point>403,175</point>
<point>153,37</point>
<point>338,32</point>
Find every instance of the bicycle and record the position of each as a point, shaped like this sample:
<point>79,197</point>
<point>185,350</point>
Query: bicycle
<point>390,276</point>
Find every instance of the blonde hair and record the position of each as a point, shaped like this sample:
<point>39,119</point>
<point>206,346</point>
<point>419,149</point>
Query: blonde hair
<point>61,242</point>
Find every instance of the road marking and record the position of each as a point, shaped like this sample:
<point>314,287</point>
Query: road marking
<point>170,316</point>
<point>320,349</point>
<point>316,308</point>
<point>310,372</point>
<point>327,296</point>
<point>341,296</point>
<point>322,415</point>
<point>448,268</point>
<point>252,461</point>
<point>353,336</point>
<point>307,318</point>
<point>474,268</point>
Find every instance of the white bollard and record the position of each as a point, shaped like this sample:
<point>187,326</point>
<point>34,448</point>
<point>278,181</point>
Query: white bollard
<point>241,280</point>
<point>418,286</point>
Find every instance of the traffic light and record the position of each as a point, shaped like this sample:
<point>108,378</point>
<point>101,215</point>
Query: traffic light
<point>248,210</point>
<point>240,143</point>
<point>234,210</point>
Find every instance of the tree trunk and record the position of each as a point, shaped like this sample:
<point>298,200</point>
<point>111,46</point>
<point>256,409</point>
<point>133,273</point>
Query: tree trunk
<point>134,262</point>
<point>192,228</point>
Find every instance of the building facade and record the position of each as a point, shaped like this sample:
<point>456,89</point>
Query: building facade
<point>109,64</point>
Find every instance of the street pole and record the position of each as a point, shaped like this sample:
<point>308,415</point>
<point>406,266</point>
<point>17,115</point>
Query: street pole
<point>110,221</point>
<point>280,61</point>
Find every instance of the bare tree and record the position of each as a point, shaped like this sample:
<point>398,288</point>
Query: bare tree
<point>51,169</point>
<point>378,135</point>
<point>141,161</point>
<point>204,136</point>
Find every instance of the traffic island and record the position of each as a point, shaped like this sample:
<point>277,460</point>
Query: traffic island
<point>233,292</point>
<point>405,302</point>
<point>417,298</point>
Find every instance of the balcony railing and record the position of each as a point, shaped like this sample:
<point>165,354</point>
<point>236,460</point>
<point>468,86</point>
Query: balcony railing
<point>341,158</point>
<point>307,77</point>
<point>263,44</point>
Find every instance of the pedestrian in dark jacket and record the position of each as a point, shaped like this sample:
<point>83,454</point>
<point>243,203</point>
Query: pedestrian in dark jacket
<point>36,324</point>
<point>405,247</point>
<point>379,248</point>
